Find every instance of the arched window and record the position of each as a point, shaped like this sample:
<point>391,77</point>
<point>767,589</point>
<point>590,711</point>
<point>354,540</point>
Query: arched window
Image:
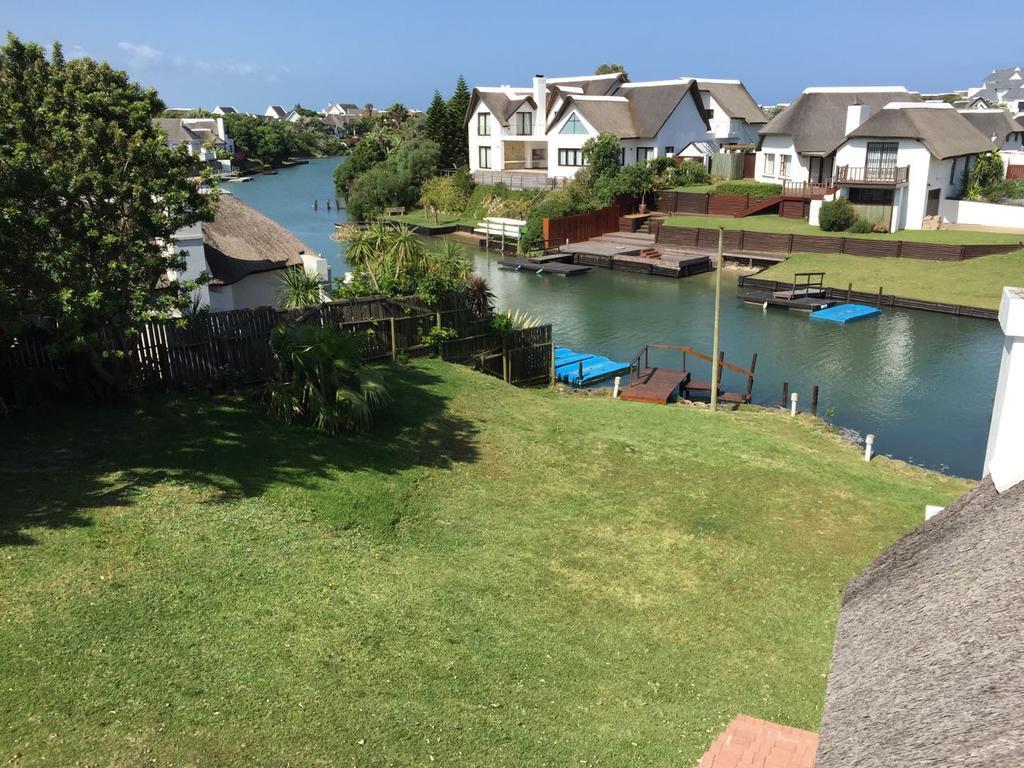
<point>574,125</point>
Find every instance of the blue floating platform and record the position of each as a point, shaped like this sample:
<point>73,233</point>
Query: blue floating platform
<point>845,313</point>
<point>579,369</point>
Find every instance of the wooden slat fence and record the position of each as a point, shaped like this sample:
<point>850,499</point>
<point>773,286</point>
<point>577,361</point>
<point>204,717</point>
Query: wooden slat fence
<point>1015,172</point>
<point>583,226</point>
<point>772,242</point>
<point>233,347</point>
<point>875,298</point>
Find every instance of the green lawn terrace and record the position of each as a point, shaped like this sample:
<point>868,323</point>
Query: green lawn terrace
<point>492,576</point>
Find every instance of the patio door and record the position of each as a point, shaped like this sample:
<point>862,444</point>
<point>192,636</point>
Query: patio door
<point>881,161</point>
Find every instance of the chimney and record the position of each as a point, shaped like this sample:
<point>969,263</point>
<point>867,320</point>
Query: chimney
<point>540,97</point>
<point>1004,458</point>
<point>856,114</point>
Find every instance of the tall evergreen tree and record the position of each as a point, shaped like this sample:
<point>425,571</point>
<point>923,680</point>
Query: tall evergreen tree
<point>435,125</point>
<point>457,138</point>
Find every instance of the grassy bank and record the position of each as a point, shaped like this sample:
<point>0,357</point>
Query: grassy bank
<point>419,218</point>
<point>492,577</point>
<point>975,282</point>
<point>772,223</point>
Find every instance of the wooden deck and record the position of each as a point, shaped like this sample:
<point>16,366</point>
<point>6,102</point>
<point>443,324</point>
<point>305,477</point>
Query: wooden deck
<point>543,267</point>
<point>655,385</point>
<point>798,304</point>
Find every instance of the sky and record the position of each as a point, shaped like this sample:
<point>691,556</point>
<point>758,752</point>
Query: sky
<point>251,54</point>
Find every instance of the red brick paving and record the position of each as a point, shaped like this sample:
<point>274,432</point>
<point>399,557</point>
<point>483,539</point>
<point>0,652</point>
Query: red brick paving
<point>748,742</point>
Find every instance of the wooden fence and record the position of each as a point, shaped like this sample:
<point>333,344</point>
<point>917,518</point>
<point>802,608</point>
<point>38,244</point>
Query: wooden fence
<point>233,347</point>
<point>876,299</point>
<point>1015,172</point>
<point>583,226</point>
<point>739,240</point>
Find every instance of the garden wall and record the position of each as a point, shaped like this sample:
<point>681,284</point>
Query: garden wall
<point>983,214</point>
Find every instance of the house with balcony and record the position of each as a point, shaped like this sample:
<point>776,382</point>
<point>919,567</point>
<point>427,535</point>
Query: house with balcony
<point>799,145</point>
<point>534,137</point>
<point>898,164</point>
<point>732,113</point>
<point>203,136</point>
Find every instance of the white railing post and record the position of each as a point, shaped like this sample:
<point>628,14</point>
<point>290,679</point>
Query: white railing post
<point>869,447</point>
<point>1004,456</point>
<point>792,406</point>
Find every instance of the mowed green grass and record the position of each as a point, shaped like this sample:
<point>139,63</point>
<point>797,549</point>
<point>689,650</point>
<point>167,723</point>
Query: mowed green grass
<point>974,283</point>
<point>492,577</point>
<point>773,223</point>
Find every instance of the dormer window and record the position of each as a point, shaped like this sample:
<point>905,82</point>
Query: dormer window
<point>574,125</point>
<point>483,124</point>
<point>524,123</point>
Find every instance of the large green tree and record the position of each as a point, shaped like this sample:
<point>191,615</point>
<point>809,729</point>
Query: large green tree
<point>458,141</point>
<point>611,69</point>
<point>90,195</point>
<point>435,125</point>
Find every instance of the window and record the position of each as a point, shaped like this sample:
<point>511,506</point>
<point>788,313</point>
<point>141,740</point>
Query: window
<point>952,172</point>
<point>524,123</point>
<point>710,113</point>
<point>784,165</point>
<point>574,125</point>
<point>881,161</point>
<point>669,151</point>
<point>483,124</point>
<point>643,153</point>
<point>622,156</point>
<point>862,196</point>
<point>769,165</point>
<point>572,158</point>
<point>485,157</point>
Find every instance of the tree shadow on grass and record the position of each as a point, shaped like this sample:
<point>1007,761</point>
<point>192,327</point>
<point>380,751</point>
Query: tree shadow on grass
<point>56,467</point>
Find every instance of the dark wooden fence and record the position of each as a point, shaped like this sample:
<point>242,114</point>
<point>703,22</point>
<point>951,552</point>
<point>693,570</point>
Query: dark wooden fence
<point>233,347</point>
<point>1015,172</point>
<point>583,226</point>
<point>738,240</point>
<point>877,299</point>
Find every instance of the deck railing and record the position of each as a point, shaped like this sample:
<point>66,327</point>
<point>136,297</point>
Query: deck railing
<point>809,190</point>
<point>849,174</point>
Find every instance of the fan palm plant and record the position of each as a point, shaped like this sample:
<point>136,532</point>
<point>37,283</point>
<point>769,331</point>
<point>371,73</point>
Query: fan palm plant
<point>479,296</point>
<point>300,288</point>
<point>320,379</point>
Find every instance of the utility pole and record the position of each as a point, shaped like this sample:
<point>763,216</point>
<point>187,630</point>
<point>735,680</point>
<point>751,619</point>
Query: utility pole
<point>715,367</point>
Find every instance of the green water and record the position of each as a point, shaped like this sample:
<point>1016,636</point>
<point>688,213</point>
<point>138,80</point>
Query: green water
<point>922,383</point>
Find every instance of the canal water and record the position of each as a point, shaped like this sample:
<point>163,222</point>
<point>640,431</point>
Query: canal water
<point>923,383</point>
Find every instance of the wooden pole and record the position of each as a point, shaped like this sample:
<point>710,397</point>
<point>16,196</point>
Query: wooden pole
<point>552,351</point>
<point>878,302</point>
<point>394,341</point>
<point>814,400</point>
<point>785,393</point>
<point>849,292</point>
<point>715,368</point>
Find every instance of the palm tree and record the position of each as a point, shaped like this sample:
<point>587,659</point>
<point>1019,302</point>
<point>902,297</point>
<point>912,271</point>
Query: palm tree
<point>300,288</point>
<point>479,296</point>
<point>406,250</point>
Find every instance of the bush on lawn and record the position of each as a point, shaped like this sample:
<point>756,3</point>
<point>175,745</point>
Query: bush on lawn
<point>861,227</point>
<point>756,189</point>
<point>690,173</point>
<point>837,215</point>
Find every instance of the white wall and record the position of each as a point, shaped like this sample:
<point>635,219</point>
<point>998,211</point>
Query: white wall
<point>190,240</point>
<point>799,169</point>
<point>683,126</point>
<point>984,214</point>
<point>1004,455</point>
<point>557,141</point>
<point>259,290</point>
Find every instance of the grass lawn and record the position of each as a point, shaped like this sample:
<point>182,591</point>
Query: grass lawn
<point>700,189</point>
<point>419,218</point>
<point>492,577</point>
<point>974,283</point>
<point>773,223</point>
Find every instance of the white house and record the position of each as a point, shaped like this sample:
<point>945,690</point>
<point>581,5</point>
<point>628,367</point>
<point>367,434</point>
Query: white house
<point>732,112</point>
<point>1002,86</point>
<point>1005,133</point>
<point>203,136</point>
<point>898,164</point>
<point>244,253</point>
<point>224,111</point>
<point>540,131</point>
<point>345,110</point>
<point>276,112</point>
<point>800,143</point>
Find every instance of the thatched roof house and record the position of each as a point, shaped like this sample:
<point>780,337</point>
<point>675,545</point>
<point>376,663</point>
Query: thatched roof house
<point>928,667</point>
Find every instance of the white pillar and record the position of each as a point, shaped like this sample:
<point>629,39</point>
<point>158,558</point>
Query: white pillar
<point>869,447</point>
<point>1004,458</point>
<point>792,406</point>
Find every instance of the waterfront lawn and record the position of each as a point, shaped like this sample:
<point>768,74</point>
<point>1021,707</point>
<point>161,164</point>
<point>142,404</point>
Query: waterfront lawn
<point>420,218</point>
<point>773,223</point>
<point>975,282</point>
<point>491,577</point>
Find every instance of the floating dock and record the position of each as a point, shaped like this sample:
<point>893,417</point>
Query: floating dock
<point>543,267</point>
<point>845,313</point>
<point>655,385</point>
<point>579,369</point>
<point>807,294</point>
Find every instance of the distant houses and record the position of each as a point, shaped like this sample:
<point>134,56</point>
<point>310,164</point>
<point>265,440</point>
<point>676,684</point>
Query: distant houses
<point>1002,86</point>
<point>204,137</point>
<point>224,111</point>
<point>538,132</point>
<point>276,112</point>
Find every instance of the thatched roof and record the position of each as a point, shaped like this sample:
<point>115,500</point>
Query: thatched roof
<point>734,99</point>
<point>635,110</point>
<point>943,131</point>
<point>993,122</point>
<point>176,130</point>
<point>817,120</point>
<point>928,667</point>
<point>241,241</point>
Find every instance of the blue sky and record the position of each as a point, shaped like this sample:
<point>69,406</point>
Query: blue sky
<point>250,54</point>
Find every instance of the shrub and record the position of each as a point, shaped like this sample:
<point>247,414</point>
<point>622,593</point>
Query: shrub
<point>756,189</point>
<point>691,172</point>
<point>836,215</point>
<point>861,227</point>
<point>984,176</point>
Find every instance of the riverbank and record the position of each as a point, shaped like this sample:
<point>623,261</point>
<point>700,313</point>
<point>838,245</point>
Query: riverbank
<point>491,571</point>
<point>975,283</point>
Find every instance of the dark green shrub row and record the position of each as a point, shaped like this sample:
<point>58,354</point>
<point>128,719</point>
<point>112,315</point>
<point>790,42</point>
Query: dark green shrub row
<point>756,189</point>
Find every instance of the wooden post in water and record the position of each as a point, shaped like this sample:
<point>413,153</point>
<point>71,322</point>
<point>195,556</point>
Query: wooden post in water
<point>878,302</point>
<point>814,400</point>
<point>715,368</point>
<point>849,292</point>
<point>785,393</point>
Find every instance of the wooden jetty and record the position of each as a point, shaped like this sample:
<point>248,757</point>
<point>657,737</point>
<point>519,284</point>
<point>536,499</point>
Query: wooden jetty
<point>546,266</point>
<point>806,294</point>
<point>636,252</point>
<point>652,384</point>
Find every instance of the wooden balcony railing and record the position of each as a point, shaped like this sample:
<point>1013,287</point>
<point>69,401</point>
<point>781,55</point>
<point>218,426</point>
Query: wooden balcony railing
<point>809,190</point>
<point>848,174</point>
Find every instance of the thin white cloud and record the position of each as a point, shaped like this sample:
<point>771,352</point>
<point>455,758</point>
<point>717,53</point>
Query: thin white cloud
<point>140,55</point>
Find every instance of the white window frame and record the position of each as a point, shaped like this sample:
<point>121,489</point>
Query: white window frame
<point>785,161</point>
<point>521,118</point>
<point>769,164</point>
<point>577,155</point>
<point>484,157</point>
<point>647,153</point>
<point>483,124</point>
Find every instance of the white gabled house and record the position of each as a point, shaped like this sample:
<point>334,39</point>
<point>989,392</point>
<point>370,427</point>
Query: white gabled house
<point>202,135</point>
<point>221,111</point>
<point>538,132</point>
<point>732,113</point>
<point>276,112</point>
<point>344,110</point>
